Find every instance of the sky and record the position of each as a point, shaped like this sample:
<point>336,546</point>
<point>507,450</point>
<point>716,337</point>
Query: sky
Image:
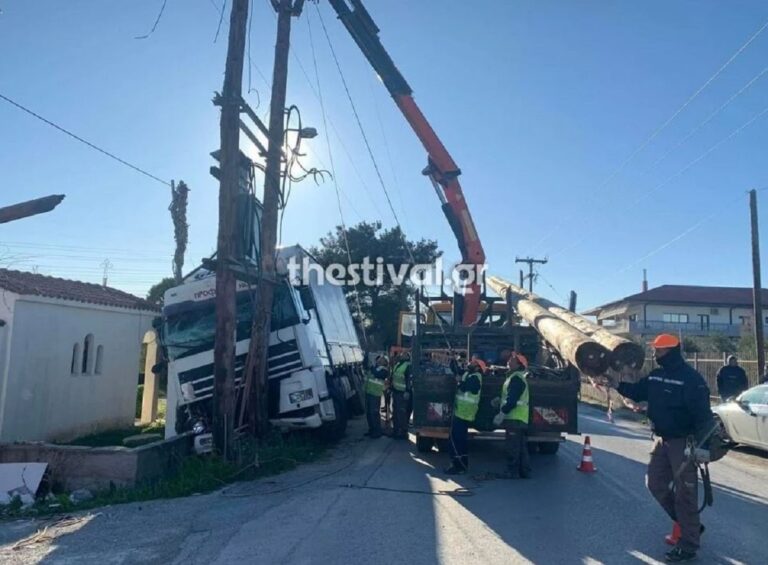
<point>581,128</point>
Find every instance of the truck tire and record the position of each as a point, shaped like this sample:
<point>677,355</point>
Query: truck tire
<point>334,431</point>
<point>357,402</point>
<point>424,444</point>
<point>549,447</point>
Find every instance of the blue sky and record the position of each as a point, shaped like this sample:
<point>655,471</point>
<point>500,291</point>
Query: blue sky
<point>540,104</point>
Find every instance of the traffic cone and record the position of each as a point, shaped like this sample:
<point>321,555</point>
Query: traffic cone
<point>586,465</point>
<point>674,537</point>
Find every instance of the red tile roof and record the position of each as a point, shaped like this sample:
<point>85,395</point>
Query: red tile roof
<point>693,295</point>
<point>27,284</point>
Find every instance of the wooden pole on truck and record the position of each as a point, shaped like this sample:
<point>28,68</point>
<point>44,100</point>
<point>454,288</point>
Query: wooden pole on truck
<point>224,345</point>
<point>757,289</point>
<point>259,349</point>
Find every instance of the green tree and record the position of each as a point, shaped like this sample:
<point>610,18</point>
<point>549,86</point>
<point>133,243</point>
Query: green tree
<point>722,343</point>
<point>690,345</point>
<point>155,294</point>
<point>380,304</point>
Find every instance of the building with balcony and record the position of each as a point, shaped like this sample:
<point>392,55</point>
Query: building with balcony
<point>682,310</point>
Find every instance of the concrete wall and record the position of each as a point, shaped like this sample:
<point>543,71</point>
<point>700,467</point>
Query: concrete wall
<point>98,468</point>
<point>7,303</point>
<point>44,400</point>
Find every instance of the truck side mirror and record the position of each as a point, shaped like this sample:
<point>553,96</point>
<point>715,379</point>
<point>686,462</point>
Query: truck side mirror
<point>307,300</point>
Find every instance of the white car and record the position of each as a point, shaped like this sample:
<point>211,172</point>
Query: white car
<point>745,418</point>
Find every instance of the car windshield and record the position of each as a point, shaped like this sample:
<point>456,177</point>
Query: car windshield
<point>757,395</point>
<point>192,331</point>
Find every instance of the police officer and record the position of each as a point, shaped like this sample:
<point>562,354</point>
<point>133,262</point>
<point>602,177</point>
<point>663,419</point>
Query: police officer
<point>401,396</point>
<point>374,387</point>
<point>514,414</point>
<point>465,407</point>
<point>679,410</point>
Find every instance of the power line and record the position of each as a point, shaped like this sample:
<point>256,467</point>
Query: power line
<point>669,120</point>
<point>670,178</point>
<point>157,21</point>
<point>81,140</point>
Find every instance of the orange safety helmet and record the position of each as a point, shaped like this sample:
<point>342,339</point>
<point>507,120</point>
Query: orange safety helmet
<point>665,341</point>
<point>520,358</point>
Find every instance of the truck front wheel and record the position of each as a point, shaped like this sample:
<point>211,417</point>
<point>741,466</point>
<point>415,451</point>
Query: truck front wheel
<point>335,430</point>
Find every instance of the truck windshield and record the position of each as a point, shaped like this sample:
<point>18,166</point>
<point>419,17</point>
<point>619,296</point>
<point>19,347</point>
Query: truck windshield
<point>192,331</point>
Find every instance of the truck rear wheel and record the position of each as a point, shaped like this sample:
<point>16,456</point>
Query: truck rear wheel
<point>549,447</point>
<point>357,402</point>
<point>424,444</point>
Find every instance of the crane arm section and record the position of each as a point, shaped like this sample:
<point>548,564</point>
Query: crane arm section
<point>441,168</point>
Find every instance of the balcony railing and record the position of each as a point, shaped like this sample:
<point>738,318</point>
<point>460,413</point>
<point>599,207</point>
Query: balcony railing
<point>689,328</point>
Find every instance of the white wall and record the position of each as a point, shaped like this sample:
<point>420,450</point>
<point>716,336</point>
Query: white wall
<point>7,302</point>
<point>656,313</point>
<point>44,400</point>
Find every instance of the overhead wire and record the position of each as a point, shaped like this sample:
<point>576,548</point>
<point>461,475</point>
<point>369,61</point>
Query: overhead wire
<point>221,19</point>
<point>677,174</point>
<point>157,21</point>
<point>335,178</point>
<point>656,132</point>
<point>84,141</point>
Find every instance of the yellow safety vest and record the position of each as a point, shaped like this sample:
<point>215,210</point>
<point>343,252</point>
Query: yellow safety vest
<point>467,403</point>
<point>520,412</point>
<point>398,375</point>
<point>373,386</point>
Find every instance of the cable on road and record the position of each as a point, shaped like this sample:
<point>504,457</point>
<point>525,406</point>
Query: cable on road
<point>461,491</point>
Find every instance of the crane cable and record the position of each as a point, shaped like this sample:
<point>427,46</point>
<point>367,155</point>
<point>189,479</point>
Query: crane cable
<point>376,166</point>
<point>335,178</point>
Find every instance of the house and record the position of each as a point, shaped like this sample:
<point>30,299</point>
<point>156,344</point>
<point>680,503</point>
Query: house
<point>680,309</point>
<point>69,356</point>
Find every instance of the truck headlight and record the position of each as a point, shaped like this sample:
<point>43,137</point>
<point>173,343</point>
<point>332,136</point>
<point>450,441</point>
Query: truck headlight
<point>300,396</point>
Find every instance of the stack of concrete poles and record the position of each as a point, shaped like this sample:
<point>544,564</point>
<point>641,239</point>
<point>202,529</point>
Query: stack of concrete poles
<point>589,347</point>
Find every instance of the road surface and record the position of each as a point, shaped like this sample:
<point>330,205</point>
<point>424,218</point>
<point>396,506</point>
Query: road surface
<point>380,502</point>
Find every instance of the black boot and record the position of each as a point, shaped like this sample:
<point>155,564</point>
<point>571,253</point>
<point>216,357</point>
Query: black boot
<point>679,555</point>
<point>456,468</point>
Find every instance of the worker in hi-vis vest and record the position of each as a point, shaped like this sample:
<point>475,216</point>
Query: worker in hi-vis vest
<point>401,396</point>
<point>374,388</point>
<point>514,414</point>
<point>464,411</point>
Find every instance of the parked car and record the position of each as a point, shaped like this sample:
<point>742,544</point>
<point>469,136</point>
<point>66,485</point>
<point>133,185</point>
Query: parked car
<point>745,418</point>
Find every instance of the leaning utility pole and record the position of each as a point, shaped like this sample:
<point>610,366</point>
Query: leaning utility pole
<point>530,262</point>
<point>29,208</point>
<point>224,345</point>
<point>259,349</point>
<point>757,289</point>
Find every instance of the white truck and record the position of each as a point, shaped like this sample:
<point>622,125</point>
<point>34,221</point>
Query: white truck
<point>315,358</point>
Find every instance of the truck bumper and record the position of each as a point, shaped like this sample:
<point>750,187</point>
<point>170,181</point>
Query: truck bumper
<point>312,421</point>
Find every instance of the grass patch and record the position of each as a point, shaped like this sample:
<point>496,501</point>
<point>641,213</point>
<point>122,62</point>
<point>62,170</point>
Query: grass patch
<point>197,475</point>
<point>111,438</point>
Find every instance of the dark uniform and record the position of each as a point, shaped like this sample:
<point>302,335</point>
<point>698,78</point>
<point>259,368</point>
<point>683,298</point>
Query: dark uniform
<point>374,388</point>
<point>678,407</point>
<point>515,394</point>
<point>401,398</point>
<point>464,411</point>
<point>731,380</point>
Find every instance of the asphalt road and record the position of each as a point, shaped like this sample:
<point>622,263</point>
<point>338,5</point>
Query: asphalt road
<point>378,501</point>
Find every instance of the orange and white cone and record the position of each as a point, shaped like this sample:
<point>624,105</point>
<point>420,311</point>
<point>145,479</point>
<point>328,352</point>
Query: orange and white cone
<point>673,537</point>
<point>586,465</point>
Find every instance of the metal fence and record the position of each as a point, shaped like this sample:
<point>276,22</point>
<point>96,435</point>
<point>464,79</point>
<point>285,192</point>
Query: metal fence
<point>708,367</point>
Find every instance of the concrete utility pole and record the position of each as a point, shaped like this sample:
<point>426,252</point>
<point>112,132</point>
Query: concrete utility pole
<point>757,289</point>
<point>259,349</point>
<point>531,261</point>
<point>224,346</point>
<point>29,208</point>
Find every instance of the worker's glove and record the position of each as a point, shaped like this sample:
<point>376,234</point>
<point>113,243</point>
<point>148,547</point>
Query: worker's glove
<point>496,402</point>
<point>498,419</point>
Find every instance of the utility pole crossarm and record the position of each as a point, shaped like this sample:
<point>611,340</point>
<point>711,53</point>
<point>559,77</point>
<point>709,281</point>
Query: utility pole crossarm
<point>531,261</point>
